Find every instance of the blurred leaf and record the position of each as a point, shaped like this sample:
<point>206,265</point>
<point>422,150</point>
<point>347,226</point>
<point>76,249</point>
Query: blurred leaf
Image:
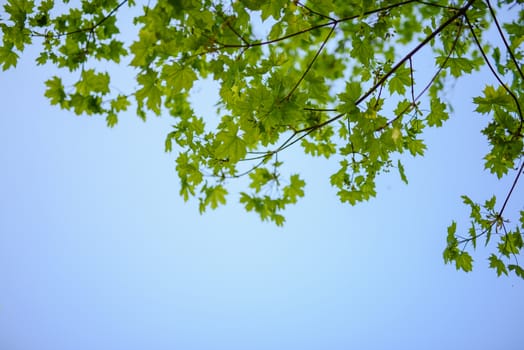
<point>496,263</point>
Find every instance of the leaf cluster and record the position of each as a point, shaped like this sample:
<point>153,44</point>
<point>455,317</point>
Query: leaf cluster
<point>486,223</point>
<point>336,79</point>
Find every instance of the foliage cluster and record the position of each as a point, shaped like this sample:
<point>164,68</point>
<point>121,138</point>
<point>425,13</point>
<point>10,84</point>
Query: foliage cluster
<point>336,78</point>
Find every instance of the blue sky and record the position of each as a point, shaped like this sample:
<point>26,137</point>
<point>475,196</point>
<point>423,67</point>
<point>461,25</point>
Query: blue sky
<point>98,251</point>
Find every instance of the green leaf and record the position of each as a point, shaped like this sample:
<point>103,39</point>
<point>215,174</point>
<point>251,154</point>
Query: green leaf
<point>253,5</point>
<point>278,219</point>
<point>250,202</point>
<point>457,65</point>
<point>473,235</point>
<point>168,142</point>
<point>464,261</point>
<point>510,244</point>
<point>349,98</point>
<point>341,177</point>
<point>18,10</point>
<point>415,146</point>
<point>111,119</point>
<point>260,177</point>
<point>143,48</point>
<point>354,196</point>
<point>362,50</point>
<point>149,92</point>
<point>190,175</point>
<point>214,196</point>
<point>490,203</point>
<point>8,58</point>
<point>474,207</point>
<point>492,98</point>
<point>438,113</point>
<point>450,254</point>
<point>231,147</point>
<point>178,77</point>
<point>91,81</point>
<point>120,103</point>
<point>403,106</point>
<point>401,171</point>
<point>400,81</point>
<point>266,207</point>
<point>519,271</point>
<point>496,263</point>
<point>451,239</point>
<point>295,189</point>
<point>272,8</point>
<point>85,104</point>
<point>55,90</point>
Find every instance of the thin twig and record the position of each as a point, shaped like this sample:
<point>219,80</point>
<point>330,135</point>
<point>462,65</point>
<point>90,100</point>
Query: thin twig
<point>506,200</point>
<point>308,130</point>
<point>313,11</point>
<point>237,34</point>
<point>318,26</point>
<point>501,33</point>
<point>93,27</point>
<point>493,71</point>
<point>288,96</point>
<point>432,80</point>
<point>437,5</point>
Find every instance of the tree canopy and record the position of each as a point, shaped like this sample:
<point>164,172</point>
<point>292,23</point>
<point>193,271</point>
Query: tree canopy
<point>335,79</point>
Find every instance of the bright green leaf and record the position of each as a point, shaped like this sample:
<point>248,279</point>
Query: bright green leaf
<point>8,58</point>
<point>231,147</point>
<point>496,263</point>
<point>464,261</point>
<point>402,172</point>
<point>55,90</point>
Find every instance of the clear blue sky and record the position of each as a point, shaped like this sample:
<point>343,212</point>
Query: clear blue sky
<point>98,251</point>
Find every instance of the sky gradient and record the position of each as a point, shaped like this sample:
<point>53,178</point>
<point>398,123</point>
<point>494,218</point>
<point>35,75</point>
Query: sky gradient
<point>98,251</point>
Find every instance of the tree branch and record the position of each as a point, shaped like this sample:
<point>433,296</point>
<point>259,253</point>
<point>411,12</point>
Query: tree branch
<point>302,133</point>
<point>490,66</point>
<point>88,29</point>
<point>506,200</point>
<point>432,80</point>
<point>501,33</point>
<point>332,22</point>
<point>313,11</point>
<point>288,96</point>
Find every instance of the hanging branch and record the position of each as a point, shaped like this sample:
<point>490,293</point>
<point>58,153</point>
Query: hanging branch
<point>494,72</point>
<point>90,29</point>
